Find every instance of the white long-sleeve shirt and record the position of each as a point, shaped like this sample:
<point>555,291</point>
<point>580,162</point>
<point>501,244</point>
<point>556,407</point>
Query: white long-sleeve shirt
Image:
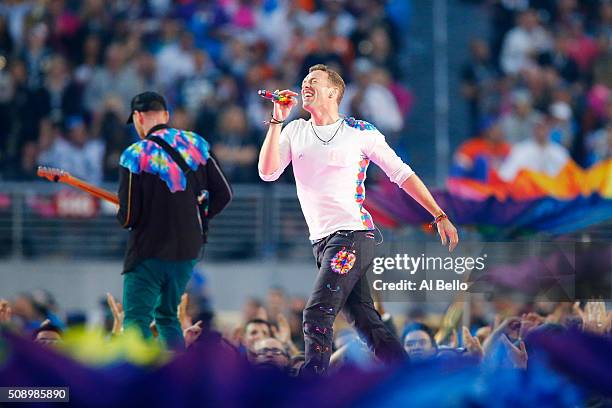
<point>330,178</point>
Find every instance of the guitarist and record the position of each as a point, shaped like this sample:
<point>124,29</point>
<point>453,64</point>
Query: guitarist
<point>169,187</point>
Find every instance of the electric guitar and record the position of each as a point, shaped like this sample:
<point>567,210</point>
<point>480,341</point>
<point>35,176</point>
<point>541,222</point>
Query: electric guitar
<point>61,176</point>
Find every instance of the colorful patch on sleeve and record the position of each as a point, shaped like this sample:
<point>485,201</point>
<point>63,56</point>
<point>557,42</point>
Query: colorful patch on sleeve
<point>146,156</point>
<point>343,261</point>
<point>359,124</point>
<point>366,218</point>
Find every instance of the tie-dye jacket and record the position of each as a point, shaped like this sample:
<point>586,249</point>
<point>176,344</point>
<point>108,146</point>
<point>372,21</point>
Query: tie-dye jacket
<point>157,203</point>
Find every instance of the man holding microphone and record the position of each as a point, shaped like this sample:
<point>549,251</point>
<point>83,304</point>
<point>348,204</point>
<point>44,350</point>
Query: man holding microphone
<point>330,156</point>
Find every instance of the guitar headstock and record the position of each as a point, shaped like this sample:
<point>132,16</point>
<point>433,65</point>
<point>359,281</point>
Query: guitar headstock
<point>52,174</point>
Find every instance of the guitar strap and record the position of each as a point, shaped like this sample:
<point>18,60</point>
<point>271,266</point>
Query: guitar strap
<point>191,179</point>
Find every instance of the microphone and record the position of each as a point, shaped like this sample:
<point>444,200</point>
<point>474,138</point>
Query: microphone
<point>274,96</point>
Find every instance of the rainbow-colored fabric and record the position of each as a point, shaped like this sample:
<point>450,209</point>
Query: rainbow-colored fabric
<point>574,199</point>
<point>147,156</point>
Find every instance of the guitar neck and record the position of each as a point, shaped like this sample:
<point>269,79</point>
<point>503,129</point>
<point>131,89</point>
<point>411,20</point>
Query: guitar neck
<point>91,189</point>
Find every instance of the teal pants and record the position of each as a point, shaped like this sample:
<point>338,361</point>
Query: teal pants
<point>152,291</point>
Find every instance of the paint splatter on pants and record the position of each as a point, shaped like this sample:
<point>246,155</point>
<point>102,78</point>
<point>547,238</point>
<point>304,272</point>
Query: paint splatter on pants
<point>344,258</point>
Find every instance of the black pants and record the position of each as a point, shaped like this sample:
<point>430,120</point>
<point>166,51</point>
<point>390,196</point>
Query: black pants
<point>343,259</point>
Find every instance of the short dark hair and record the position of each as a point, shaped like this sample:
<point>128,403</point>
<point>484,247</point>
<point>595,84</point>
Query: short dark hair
<point>46,327</point>
<point>416,326</point>
<point>334,78</point>
<point>258,321</point>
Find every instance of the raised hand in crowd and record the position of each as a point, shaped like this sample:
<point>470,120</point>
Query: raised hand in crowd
<point>283,334</point>
<point>118,314</point>
<point>192,333</point>
<point>594,317</point>
<point>529,321</point>
<point>509,327</point>
<point>5,312</point>
<point>518,355</point>
<point>483,333</point>
<point>183,317</point>
<point>472,344</point>
<point>453,339</point>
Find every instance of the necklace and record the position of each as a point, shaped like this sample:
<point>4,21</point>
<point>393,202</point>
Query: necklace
<point>326,142</point>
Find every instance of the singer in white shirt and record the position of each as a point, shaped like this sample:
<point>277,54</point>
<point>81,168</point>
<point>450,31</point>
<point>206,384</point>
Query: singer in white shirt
<point>330,157</point>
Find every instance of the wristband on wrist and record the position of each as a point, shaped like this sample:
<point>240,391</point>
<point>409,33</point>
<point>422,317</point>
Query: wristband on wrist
<point>274,121</point>
<point>438,219</point>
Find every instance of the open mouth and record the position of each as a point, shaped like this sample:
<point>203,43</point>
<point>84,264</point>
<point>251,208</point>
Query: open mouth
<point>307,94</point>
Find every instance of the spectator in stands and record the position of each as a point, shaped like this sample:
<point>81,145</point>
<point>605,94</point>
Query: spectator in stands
<point>379,50</point>
<point>235,145</point>
<point>363,98</point>
<point>25,115</point>
<point>78,154</point>
<point>326,48</point>
<point>47,334</point>
<point>480,158</point>
<point>478,78</point>
<point>255,330</point>
<point>7,44</point>
<point>271,352</point>
<point>276,302</point>
<point>252,309</point>
<point>92,58</point>
<point>176,59</point>
<point>115,78</point>
<point>114,133</point>
<point>538,154</point>
<point>562,129</point>
<point>96,55</point>
<point>198,88</point>
<point>63,95</point>
<point>36,54</point>
<point>599,145</point>
<point>419,342</point>
<point>403,97</point>
<point>582,47</point>
<point>559,59</point>
<point>523,43</point>
<point>146,71</point>
<point>26,313</point>
<point>519,123</point>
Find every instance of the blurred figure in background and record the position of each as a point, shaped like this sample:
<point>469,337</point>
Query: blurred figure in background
<point>77,153</point>
<point>234,144</point>
<point>538,153</point>
<point>519,123</point>
<point>478,78</point>
<point>599,145</point>
<point>523,43</point>
<point>480,158</point>
<point>363,98</point>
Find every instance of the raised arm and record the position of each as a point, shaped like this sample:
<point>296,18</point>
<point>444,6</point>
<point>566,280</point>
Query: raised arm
<point>271,160</point>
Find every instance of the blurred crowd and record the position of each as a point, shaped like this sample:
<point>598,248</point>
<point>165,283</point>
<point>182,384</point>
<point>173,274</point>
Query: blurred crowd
<point>268,332</point>
<point>68,70</point>
<point>539,89</point>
